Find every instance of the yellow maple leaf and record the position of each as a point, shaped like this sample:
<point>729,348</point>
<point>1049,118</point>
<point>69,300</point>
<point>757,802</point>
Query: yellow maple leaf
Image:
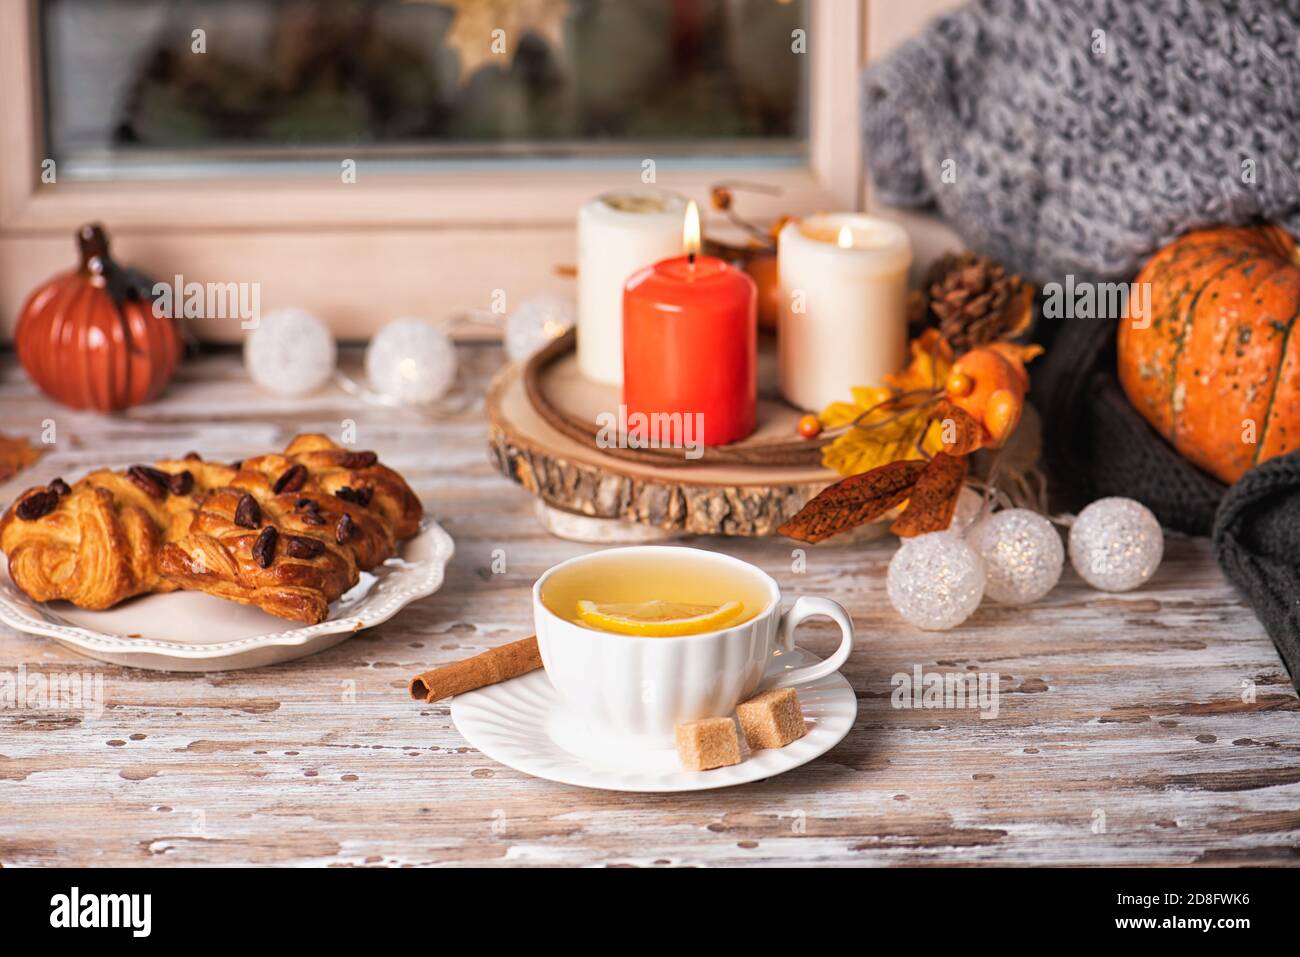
<point>838,414</point>
<point>884,433</point>
<point>887,428</point>
<point>930,364</point>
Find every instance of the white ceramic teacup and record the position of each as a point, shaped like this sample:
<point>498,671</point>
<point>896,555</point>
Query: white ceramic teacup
<point>623,688</point>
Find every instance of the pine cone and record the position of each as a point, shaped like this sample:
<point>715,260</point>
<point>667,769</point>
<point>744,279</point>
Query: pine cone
<point>974,301</point>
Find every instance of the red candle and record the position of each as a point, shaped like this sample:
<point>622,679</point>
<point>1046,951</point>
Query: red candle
<point>690,349</point>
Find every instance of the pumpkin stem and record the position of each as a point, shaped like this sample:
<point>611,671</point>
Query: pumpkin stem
<point>92,245</point>
<point>92,242</point>
<point>1284,242</point>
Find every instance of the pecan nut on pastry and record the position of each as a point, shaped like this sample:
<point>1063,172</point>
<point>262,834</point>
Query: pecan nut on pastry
<point>297,569</point>
<point>221,529</point>
<point>95,543</point>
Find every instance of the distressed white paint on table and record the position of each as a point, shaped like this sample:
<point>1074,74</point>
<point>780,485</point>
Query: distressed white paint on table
<point>1122,738</point>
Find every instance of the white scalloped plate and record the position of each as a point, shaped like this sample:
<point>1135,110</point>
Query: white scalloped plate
<point>516,723</point>
<point>190,631</point>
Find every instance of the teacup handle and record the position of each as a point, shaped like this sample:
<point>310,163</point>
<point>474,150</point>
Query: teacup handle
<point>806,608</point>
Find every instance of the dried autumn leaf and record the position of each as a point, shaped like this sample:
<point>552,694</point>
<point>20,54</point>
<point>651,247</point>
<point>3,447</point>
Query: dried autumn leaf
<point>886,431</point>
<point>890,422</point>
<point>1016,352</point>
<point>475,22</point>
<point>860,450</point>
<point>1020,313</point>
<point>931,361</point>
<point>15,455</point>
<point>933,498</point>
<point>959,432</point>
<point>865,399</point>
<point>853,501</point>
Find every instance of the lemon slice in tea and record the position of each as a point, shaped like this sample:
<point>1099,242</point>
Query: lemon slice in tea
<point>657,618</point>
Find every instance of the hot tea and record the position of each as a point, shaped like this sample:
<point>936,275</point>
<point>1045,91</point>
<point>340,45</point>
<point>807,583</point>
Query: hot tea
<point>656,595</point>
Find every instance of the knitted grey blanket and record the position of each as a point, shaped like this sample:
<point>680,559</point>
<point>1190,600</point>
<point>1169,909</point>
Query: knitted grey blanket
<point>1076,136</point>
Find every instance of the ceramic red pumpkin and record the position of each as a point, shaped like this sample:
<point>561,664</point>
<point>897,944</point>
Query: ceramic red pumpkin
<point>89,338</point>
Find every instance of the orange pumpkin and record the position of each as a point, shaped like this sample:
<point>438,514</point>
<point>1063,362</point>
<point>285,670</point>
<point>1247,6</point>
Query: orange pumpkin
<point>760,263</point>
<point>1213,364</point>
<point>762,269</point>
<point>989,384</point>
<point>90,339</point>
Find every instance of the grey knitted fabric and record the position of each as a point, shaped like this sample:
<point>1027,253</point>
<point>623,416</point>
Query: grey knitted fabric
<point>1255,540</point>
<point>1074,159</point>
<point>1077,152</point>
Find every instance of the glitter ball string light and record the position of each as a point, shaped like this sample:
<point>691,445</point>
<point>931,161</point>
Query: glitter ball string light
<point>1015,557</point>
<point>290,352</point>
<point>1023,555</point>
<point>411,361</point>
<point>536,323</point>
<point>935,581</point>
<point>1116,544</point>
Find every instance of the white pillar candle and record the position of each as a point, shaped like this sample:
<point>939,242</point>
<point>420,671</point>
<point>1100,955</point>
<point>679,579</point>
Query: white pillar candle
<point>843,318</point>
<point>619,233</point>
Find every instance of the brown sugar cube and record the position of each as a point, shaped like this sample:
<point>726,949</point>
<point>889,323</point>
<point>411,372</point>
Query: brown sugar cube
<point>771,719</point>
<point>711,743</point>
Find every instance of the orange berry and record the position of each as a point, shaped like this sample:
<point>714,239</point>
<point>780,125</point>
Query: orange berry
<point>997,393</point>
<point>959,383</point>
<point>810,426</point>
<point>1002,415</point>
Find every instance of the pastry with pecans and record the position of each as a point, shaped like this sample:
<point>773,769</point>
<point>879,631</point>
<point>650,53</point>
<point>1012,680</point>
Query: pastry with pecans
<point>96,543</point>
<point>287,532</point>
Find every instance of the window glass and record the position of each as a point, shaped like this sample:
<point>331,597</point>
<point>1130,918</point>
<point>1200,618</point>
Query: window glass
<point>185,84</point>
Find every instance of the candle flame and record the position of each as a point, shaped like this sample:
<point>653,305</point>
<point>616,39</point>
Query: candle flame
<point>845,240</point>
<point>691,229</point>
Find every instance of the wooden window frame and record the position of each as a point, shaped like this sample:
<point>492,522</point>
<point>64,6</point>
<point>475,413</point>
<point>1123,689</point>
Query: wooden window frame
<point>435,244</point>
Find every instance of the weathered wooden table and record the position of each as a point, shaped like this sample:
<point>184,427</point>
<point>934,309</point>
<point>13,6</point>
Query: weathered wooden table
<point>1151,727</point>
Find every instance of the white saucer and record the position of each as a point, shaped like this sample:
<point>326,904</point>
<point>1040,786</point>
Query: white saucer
<point>190,631</point>
<point>516,723</point>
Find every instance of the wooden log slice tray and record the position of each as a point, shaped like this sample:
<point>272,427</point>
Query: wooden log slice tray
<point>572,405</point>
<point>564,467</point>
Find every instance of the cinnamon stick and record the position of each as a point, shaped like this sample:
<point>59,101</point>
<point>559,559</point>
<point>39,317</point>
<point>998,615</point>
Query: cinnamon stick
<point>489,668</point>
